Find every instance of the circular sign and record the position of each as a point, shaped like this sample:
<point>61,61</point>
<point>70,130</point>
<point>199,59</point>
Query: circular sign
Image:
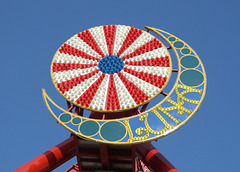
<point>107,74</point>
<point>111,68</point>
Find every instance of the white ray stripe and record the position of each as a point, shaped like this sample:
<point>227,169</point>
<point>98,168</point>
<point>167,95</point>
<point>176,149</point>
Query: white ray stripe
<point>121,34</point>
<point>99,100</point>
<point>79,44</point>
<point>154,70</point>
<point>66,58</point>
<point>140,41</point>
<point>146,87</point>
<point>70,74</point>
<point>99,36</point>
<point>160,52</point>
<point>124,96</point>
<point>75,92</point>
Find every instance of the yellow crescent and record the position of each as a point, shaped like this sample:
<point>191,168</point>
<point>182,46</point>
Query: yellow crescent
<point>171,113</point>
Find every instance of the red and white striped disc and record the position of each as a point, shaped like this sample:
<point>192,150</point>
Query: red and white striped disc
<point>111,68</point>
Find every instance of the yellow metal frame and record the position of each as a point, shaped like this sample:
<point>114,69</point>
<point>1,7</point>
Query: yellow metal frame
<point>125,121</point>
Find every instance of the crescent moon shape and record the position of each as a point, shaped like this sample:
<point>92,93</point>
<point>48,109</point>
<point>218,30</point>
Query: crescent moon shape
<point>167,116</point>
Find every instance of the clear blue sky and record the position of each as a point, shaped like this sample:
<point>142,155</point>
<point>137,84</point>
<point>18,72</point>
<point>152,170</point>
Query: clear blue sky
<point>32,31</point>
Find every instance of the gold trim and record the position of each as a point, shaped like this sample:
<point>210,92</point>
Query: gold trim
<point>157,31</point>
<point>125,120</point>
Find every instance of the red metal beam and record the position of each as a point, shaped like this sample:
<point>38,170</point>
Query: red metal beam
<point>77,152</point>
<point>76,110</point>
<point>133,157</point>
<point>163,93</point>
<point>115,115</point>
<point>51,159</point>
<point>81,111</point>
<point>63,152</point>
<point>154,159</point>
<point>144,107</point>
<point>104,155</point>
<point>74,168</point>
<point>138,166</point>
<point>70,107</point>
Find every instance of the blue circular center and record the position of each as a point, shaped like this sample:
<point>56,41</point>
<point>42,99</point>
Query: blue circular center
<point>111,64</point>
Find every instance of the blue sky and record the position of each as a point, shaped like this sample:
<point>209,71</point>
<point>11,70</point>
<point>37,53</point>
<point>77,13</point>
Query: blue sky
<point>32,31</point>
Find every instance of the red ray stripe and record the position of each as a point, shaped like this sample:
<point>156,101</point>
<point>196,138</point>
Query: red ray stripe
<point>155,80</point>
<point>67,49</point>
<point>66,85</point>
<point>110,33</point>
<point>86,98</point>
<point>112,101</point>
<point>151,45</point>
<point>59,67</point>
<point>137,94</point>
<point>161,62</point>
<point>87,37</point>
<point>132,35</point>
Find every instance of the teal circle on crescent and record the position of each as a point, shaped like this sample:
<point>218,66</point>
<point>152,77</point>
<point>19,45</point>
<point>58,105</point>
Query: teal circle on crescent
<point>113,131</point>
<point>185,51</point>
<point>178,44</point>
<point>191,77</point>
<point>171,39</point>
<point>76,120</point>
<point>89,128</point>
<point>189,61</point>
<point>65,117</point>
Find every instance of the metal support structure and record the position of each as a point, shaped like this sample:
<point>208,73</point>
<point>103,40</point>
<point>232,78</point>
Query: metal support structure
<point>154,159</point>
<point>163,93</point>
<point>144,107</point>
<point>107,156</point>
<point>98,155</point>
<point>70,107</point>
<point>108,149</point>
<point>77,152</point>
<point>174,70</point>
<point>104,156</point>
<point>52,158</point>
<point>133,157</point>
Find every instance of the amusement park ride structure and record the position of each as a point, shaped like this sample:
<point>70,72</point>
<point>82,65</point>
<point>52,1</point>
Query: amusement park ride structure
<point>112,71</point>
